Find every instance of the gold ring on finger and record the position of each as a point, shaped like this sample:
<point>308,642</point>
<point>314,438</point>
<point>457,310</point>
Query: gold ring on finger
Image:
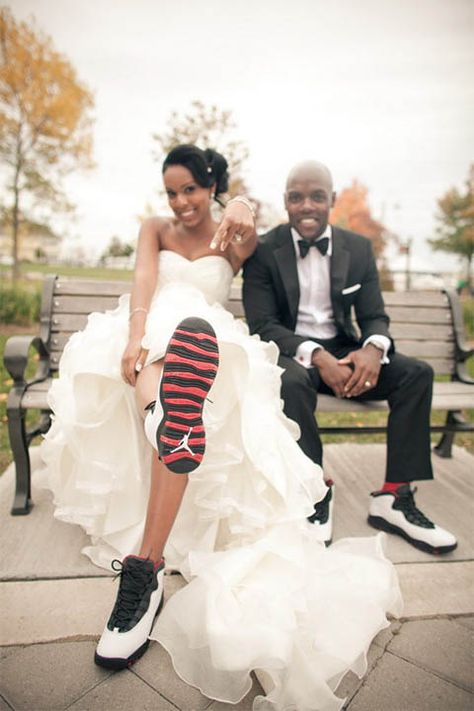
<point>368,384</point>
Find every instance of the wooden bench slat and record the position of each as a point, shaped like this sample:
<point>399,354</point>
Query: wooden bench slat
<point>419,315</point>
<point>68,322</point>
<point>236,309</point>
<point>91,287</point>
<point>450,395</point>
<point>59,340</point>
<point>419,331</point>
<point>84,304</point>
<point>426,349</point>
<point>453,402</point>
<point>420,298</point>
<point>440,366</point>
<point>453,387</point>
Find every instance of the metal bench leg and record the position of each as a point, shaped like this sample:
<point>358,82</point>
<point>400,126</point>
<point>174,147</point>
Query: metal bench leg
<point>22,502</point>
<point>444,447</point>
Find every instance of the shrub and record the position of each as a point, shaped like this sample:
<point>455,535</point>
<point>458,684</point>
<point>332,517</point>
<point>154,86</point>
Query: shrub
<point>468,309</point>
<point>19,306</point>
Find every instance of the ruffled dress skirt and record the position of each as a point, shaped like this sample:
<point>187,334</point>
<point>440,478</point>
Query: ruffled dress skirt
<point>262,595</point>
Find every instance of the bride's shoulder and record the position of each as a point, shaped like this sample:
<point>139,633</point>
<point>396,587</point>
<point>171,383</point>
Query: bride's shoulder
<point>156,226</point>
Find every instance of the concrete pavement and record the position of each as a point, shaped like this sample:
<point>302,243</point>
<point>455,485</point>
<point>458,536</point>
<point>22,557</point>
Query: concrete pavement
<point>54,604</point>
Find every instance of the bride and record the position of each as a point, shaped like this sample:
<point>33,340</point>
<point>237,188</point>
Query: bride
<point>223,493</point>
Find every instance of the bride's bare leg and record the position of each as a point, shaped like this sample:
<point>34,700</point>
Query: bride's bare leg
<point>194,358</point>
<point>166,493</point>
<point>166,488</point>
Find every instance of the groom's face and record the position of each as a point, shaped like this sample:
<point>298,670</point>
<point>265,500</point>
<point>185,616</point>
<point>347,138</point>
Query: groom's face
<point>308,201</point>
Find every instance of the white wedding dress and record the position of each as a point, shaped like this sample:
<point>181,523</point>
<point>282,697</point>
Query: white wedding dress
<point>262,593</point>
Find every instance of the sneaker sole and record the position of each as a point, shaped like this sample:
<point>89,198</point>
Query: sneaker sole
<point>382,525</point>
<point>189,370</point>
<point>119,663</point>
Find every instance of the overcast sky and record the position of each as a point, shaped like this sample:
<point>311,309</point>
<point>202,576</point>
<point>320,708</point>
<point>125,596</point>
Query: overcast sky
<point>380,90</point>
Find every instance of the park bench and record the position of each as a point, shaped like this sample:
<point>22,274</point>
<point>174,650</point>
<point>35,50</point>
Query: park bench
<point>427,325</point>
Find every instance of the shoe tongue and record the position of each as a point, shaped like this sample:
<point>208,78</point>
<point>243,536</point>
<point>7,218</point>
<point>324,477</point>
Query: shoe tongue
<point>134,562</point>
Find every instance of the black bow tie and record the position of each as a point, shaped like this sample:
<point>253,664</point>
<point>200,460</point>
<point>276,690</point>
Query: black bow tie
<point>305,244</point>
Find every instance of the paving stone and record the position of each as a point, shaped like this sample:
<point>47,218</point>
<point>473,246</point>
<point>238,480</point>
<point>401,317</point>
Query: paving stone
<point>6,651</point>
<point>156,669</point>
<point>440,646</point>
<point>51,610</point>
<point>26,551</point>
<point>4,706</point>
<point>244,705</point>
<point>397,685</point>
<point>48,677</point>
<point>351,682</point>
<point>123,691</point>
<point>386,635</point>
<point>464,622</point>
<point>437,588</point>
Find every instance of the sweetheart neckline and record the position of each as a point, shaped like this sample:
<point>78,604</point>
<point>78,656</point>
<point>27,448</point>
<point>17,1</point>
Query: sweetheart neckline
<point>198,259</point>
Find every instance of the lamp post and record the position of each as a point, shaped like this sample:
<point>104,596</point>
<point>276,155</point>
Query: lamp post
<point>408,245</point>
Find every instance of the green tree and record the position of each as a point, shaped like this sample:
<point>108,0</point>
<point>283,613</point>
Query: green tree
<point>207,127</point>
<point>117,248</point>
<point>455,219</point>
<point>45,124</point>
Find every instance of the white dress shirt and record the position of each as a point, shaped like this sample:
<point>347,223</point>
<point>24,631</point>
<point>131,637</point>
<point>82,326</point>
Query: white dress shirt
<point>315,314</point>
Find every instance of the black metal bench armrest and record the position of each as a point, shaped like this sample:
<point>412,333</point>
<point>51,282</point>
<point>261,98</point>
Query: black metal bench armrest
<point>16,358</point>
<point>462,352</point>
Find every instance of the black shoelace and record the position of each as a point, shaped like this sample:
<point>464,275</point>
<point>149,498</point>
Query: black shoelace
<point>405,503</point>
<point>134,581</point>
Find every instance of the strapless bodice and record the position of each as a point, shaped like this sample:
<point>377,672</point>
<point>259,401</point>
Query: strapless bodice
<point>212,275</point>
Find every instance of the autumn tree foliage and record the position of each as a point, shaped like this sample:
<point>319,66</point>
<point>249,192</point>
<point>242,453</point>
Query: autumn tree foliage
<point>45,125</point>
<point>455,219</point>
<point>206,127</point>
<point>351,211</point>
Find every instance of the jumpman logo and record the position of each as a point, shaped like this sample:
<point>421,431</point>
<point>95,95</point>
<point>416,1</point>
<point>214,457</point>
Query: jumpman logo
<point>183,444</point>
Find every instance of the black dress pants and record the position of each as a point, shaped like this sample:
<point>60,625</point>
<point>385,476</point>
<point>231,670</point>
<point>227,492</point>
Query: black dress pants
<point>405,382</point>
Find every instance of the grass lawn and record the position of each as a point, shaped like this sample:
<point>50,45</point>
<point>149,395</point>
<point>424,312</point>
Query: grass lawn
<point>34,273</point>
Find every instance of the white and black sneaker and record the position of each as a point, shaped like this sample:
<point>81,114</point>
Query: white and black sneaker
<point>323,514</point>
<point>397,513</point>
<point>139,600</point>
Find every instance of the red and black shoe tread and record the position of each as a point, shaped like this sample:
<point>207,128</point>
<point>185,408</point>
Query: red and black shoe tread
<point>189,370</point>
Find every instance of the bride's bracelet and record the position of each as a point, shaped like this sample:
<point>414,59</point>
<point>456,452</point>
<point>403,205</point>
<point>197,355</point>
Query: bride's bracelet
<point>136,311</point>
<point>244,201</point>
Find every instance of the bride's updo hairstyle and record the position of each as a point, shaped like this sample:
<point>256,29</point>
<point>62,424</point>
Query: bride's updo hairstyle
<point>207,167</point>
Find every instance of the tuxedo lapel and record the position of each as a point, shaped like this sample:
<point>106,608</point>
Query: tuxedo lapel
<point>339,268</point>
<point>286,262</point>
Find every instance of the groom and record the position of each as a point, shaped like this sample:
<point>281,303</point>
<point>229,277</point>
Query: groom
<point>299,287</point>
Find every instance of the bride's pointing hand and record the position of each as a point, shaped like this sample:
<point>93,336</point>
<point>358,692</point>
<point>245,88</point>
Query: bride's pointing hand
<point>237,225</point>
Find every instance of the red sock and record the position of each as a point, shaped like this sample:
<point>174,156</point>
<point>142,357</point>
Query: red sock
<point>390,487</point>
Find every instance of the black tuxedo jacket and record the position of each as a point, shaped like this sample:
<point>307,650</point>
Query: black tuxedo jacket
<point>271,290</point>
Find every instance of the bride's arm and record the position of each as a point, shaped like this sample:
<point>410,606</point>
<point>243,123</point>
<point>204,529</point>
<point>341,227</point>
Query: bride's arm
<point>144,284</point>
